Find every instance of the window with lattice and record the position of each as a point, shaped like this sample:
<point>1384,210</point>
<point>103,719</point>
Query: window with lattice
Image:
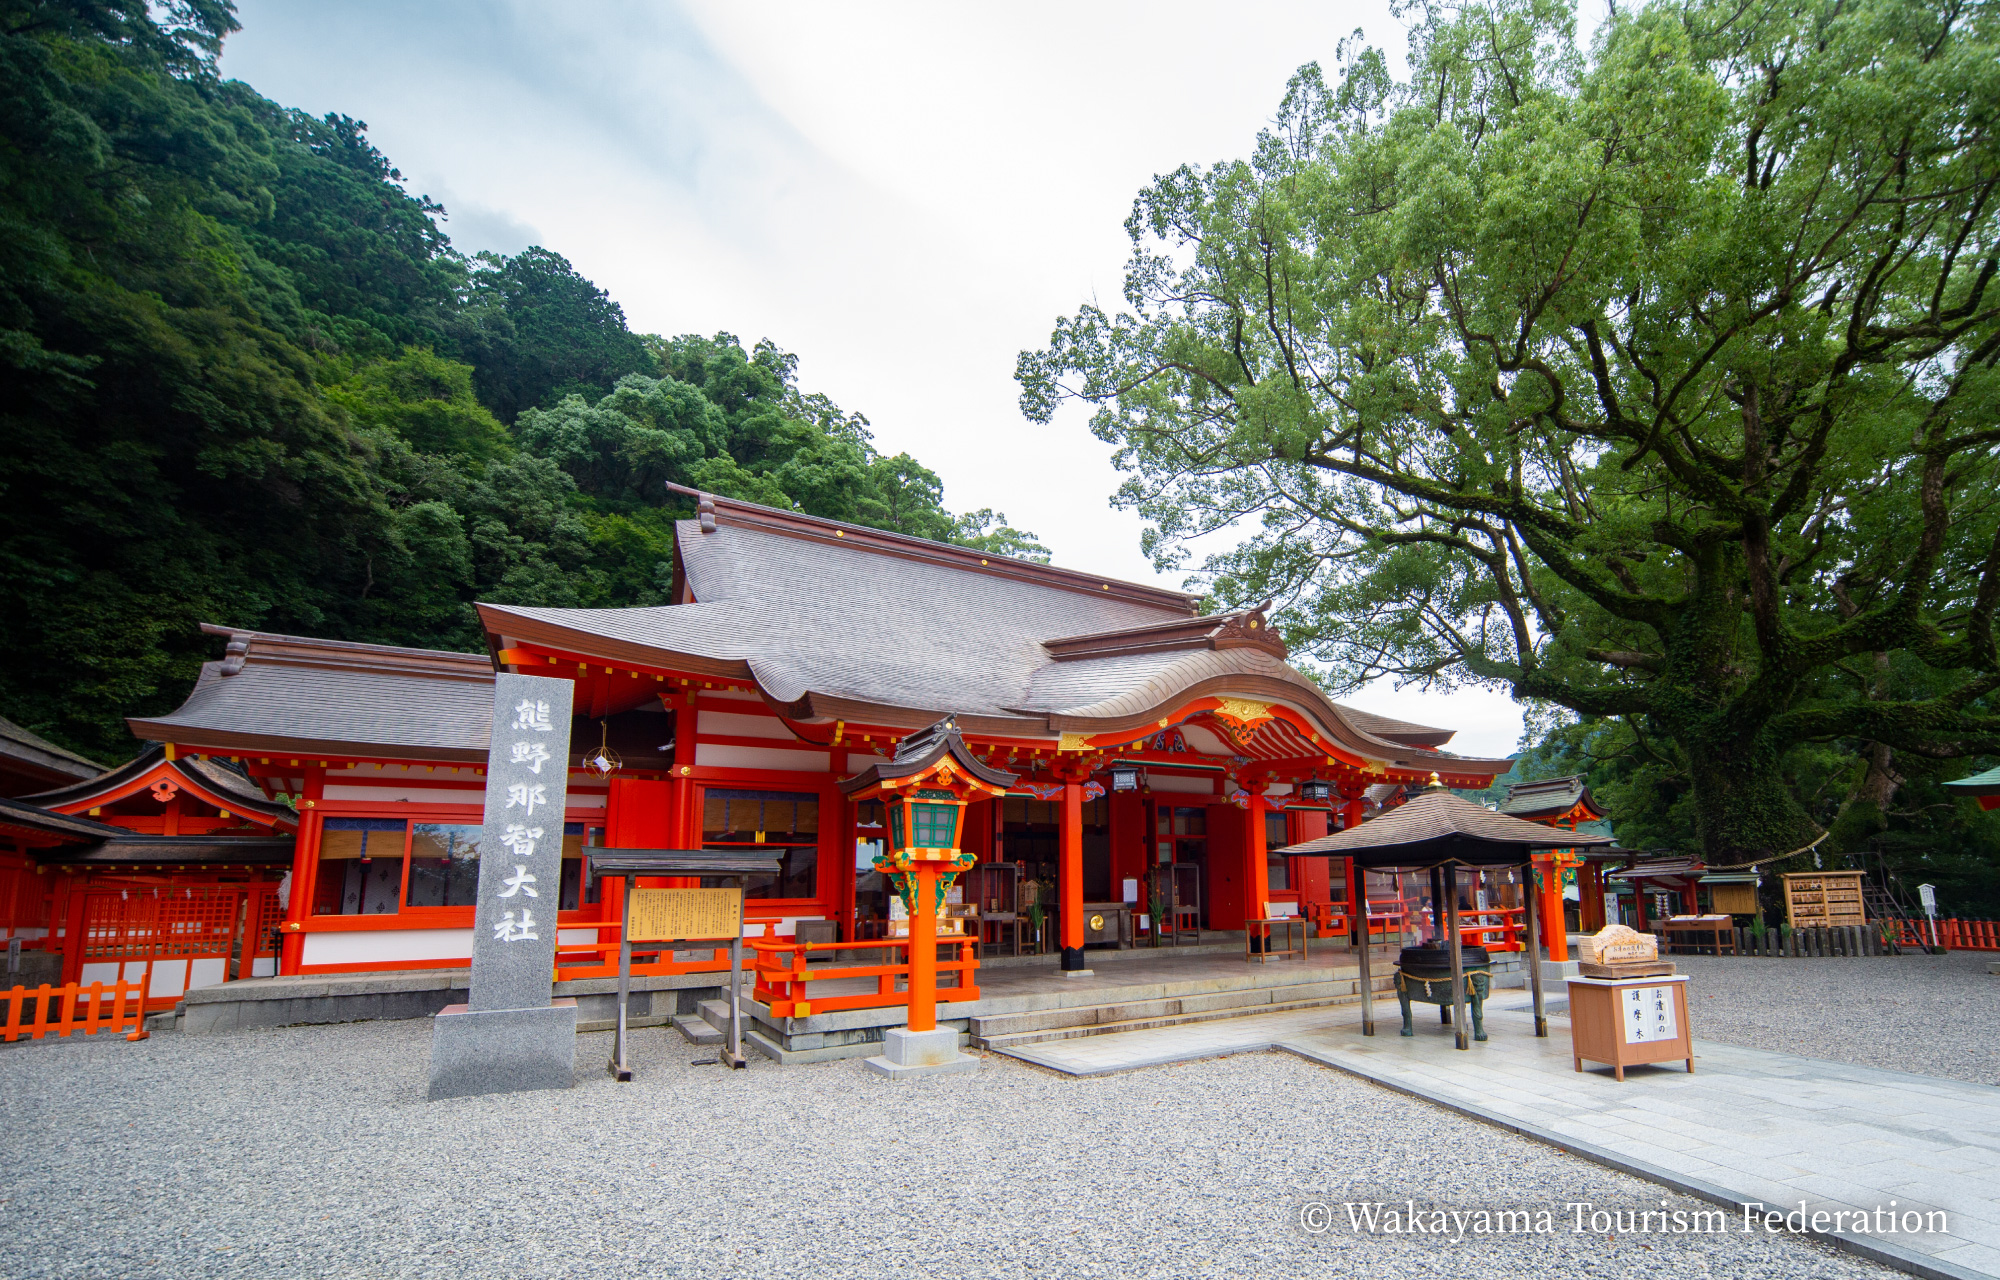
<point>933,826</point>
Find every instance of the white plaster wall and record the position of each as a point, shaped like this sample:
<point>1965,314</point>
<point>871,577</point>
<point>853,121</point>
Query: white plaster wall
<point>710,755</point>
<point>387,945</point>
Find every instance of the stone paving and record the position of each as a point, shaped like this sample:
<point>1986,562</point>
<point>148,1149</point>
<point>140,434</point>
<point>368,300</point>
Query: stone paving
<point>1749,1125</point>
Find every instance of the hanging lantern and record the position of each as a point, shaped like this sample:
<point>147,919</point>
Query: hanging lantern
<point>1317,792</point>
<point>1125,778</point>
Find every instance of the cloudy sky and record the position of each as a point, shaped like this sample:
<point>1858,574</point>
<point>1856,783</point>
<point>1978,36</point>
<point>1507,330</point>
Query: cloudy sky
<point>906,195</point>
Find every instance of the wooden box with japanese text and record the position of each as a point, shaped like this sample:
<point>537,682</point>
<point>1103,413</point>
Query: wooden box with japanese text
<point>1626,1022</point>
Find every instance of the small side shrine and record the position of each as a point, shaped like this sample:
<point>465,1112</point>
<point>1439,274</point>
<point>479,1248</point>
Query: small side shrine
<point>181,866</point>
<point>1563,803</point>
<point>1441,833</point>
<point>925,789</point>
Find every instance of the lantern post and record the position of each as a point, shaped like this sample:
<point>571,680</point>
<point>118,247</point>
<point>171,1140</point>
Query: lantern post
<point>925,790</point>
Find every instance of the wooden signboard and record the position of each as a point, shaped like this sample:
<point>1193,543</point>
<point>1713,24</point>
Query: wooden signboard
<point>684,915</point>
<point>1824,899</point>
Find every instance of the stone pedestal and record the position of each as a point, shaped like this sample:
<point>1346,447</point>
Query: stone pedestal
<point>1076,973</point>
<point>503,1050</point>
<point>908,1053</point>
<point>1558,970</point>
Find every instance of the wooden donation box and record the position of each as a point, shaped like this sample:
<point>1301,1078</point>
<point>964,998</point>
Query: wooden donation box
<point>1629,1007</point>
<point>1629,1021</point>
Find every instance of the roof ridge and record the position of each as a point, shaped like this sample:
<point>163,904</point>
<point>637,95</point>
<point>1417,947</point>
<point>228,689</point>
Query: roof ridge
<point>711,509</point>
<point>275,648</point>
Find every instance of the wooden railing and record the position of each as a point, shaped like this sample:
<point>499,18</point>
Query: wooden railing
<point>575,960</point>
<point>787,983</point>
<point>1954,934</point>
<point>1478,928</point>
<point>35,1012</point>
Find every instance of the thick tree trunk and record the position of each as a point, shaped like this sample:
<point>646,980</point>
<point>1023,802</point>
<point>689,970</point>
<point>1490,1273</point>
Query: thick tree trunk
<point>1743,809</point>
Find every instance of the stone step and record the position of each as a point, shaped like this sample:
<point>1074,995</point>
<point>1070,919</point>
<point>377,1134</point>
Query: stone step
<point>716,1014</point>
<point>1021,1039</point>
<point>1252,999</point>
<point>697,1030</point>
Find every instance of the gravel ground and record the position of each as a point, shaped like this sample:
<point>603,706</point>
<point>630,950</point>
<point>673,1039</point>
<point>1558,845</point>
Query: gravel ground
<point>1922,1013</point>
<point>311,1152</point>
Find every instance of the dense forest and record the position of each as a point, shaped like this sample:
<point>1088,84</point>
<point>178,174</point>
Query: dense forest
<point>245,378</point>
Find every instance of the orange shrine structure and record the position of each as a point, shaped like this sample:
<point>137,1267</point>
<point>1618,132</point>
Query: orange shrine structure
<point>174,861</point>
<point>1107,730</point>
<point>1564,803</point>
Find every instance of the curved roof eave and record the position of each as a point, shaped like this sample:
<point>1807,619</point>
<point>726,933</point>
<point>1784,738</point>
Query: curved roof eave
<point>1258,679</point>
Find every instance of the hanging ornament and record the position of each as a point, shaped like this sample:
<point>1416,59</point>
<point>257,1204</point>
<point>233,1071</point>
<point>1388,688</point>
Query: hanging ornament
<point>603,762</point>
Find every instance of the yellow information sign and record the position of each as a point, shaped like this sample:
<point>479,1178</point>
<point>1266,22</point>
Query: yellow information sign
<point>677,915</point>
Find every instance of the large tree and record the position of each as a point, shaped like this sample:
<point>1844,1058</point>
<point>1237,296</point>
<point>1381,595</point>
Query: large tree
<point>1654,381</point>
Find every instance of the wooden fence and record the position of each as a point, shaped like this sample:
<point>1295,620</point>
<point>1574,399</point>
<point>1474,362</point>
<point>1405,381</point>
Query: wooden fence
<point>60,1011</point>
<point>1889,937</point>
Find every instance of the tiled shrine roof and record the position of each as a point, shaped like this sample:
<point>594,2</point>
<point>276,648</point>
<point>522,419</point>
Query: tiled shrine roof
<point>831,622</point>
<point>1547,797</point>
<point>835,621</point>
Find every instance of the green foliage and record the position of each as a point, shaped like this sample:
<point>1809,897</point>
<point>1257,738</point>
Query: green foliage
<point>244,378</point>
<point>537,331</point>
<point>1655,382</point>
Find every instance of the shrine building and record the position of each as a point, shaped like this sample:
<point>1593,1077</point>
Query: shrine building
<point>1154,747</point>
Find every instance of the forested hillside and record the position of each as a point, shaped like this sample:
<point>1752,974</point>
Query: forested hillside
<point>246,378</point>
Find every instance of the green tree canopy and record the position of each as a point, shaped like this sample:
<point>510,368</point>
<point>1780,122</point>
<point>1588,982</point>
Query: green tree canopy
<point>245,378</point>
<point>1654,381</point>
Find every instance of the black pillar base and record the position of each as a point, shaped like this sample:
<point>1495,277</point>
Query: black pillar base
<point>1072,958</point>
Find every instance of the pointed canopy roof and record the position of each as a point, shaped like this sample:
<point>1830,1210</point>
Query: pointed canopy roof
<point>209,780</point>
<point>1436,827</point>
<point>923,749</point>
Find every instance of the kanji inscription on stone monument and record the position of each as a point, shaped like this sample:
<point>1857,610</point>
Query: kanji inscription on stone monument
<point>509,1035</point>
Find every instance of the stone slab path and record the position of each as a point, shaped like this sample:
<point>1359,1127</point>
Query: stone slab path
<point>1747,1126</point>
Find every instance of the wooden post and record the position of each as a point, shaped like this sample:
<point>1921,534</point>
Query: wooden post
<point>1533,952</point>
<point>621,1067</point>
<point>1457,961</point>
<point>734,1057</point>
<point>923,947</point>
<point>1069,875</point>
<point>1438,910</point>
<point>1360,905</point>
<point>139,1032</point>
<point>1257,871</point>
<point>1554,935</point>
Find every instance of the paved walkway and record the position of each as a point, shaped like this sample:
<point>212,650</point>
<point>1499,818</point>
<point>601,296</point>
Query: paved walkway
<point>1749,1125</point>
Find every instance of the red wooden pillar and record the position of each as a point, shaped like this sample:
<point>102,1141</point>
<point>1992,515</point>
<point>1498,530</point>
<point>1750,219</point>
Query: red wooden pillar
<point>1550,907</point>
<point>305,873</point>
<point>1069,875</point>
<point>1256,857</point>
<point>923,947</point>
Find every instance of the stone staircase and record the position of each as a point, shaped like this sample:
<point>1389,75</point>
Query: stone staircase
<point>708,1026</point>
<point>1004,1031</point>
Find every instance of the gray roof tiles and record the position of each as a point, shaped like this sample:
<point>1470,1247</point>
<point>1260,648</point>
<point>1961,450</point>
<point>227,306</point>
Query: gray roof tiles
<point>851,618</point>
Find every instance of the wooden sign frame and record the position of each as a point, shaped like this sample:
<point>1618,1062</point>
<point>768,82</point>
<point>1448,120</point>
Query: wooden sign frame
<point>684,915</point>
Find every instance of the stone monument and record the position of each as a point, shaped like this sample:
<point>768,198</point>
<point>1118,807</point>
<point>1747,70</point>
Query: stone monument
<point>509,1036</point>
